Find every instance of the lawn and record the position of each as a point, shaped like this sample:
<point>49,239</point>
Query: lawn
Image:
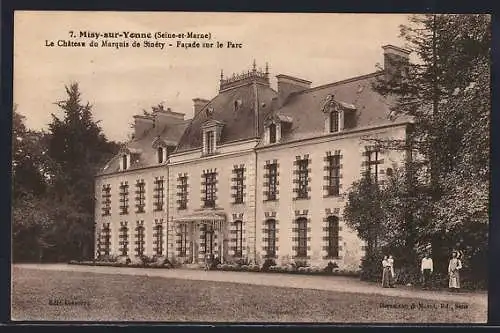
<point>68,296</point>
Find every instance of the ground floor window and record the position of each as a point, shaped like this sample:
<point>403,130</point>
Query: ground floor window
<point>333,236</point>
<point>139,250</point>
<point>271,238</point>
<point>123,241</point>
<point>105,245</point>
<point>302,237</point>
<point>158,242</point>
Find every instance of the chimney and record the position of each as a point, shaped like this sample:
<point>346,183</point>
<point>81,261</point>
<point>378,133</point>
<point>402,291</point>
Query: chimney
<point>167,117</point>
<point>395,61</point>
<point>142,124</point>
<point>199,103</point>
<point>288,85</point>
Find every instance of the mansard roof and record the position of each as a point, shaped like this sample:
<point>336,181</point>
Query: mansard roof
<point>306,108</point>
<point>142,150</point>
<point>235,108</point>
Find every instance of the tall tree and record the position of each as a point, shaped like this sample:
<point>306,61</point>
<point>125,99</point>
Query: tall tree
<point>80,148</point>
<point>446,91</point>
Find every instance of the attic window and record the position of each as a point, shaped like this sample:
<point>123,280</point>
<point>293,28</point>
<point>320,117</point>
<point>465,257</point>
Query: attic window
<point>125,162</point>
<point>160,155</point>
<point>210,142</point>
<point>237,104</point>
<point>272,133</point>
<point>334,121</point>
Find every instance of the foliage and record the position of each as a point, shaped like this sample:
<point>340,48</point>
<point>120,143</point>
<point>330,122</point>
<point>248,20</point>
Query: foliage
<point>330,267</point>
<point>53,177</point>
<point>440,196</point>
<point>268,263</point>
<point>364,213</point>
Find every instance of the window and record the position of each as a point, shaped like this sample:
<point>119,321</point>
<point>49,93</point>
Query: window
<point>123,240</point>
<point>159,193</point>
<point>141,196</point>
<point>139,250</point>
<point>334,121</point>
<point>106,200</point>
<point>160,154</point>
<point>239,185</point>
<point>105,247</point>
<point>333,236</point>
<point>208,238</point>
<point>303,180</point>
<point>302,237</point>
<point>334,175</point>
<point>272,181</point>
<point>271,238</point>
<point>238,251</point>
<point>183,192</point>
<point>183,247</point>
<point>210,142</point>
<point>209,200</point>
<point>372,163</point>
<point>123,198</point>
<point>158,239</point>
<point>125,162</point>
<point>272,133</point>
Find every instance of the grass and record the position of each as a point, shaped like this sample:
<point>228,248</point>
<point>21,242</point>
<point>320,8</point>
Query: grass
<point>103,297</point>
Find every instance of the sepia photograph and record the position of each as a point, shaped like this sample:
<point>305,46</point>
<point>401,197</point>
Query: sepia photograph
<point>216,167</point>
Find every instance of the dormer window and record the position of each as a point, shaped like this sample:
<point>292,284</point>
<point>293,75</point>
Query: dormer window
<point>160,155</point>
<point>334,121</point>
<point>338,115</point>
<point>276,126</point>
<point>161,150</point>
<point>272,133</point>
<point>210,142</point>
<point>212,130</point>
<point>125,162</point>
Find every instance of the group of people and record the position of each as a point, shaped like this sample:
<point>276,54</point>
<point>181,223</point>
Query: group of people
<point>426,269</point>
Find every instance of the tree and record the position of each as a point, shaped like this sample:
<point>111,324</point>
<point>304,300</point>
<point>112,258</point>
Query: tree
<point>79,147</point>
<point>31,174</point>
<point>446,91</point>
<point>363,213</point>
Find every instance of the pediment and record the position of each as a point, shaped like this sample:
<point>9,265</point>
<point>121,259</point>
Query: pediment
<point>212,123</point>
<point>330,104</point>
<point>277,117</point>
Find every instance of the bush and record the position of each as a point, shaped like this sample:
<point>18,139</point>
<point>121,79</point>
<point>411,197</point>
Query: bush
<point>371,268</point>
<point>268,263</point>
<point>300,263</point>
<point>330,267</point>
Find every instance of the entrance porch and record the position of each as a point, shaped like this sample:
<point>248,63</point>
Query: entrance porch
<point>201,234</point>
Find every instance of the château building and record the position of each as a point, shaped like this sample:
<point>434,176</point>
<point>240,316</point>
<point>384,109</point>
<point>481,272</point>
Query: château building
<point>256,173</point>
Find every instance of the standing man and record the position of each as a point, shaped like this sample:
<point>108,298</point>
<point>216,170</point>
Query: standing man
<point>426,268</point>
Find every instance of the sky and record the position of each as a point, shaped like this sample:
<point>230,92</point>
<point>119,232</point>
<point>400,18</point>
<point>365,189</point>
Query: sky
<point>120,83</point>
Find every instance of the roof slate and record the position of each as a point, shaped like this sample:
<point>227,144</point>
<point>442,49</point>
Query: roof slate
<point>170,134</point>
<point>239,123</point>
<point>305,108</point>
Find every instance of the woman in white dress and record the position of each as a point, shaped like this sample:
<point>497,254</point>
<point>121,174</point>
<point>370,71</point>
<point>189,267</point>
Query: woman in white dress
<point>454,268</point>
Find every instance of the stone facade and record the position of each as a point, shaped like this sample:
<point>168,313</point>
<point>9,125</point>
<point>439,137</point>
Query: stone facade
<point>271,184</point>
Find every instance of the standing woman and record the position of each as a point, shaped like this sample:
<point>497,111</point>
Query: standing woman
<point>390,263</point>
<point>453,271</point>
<point>386,272</point>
